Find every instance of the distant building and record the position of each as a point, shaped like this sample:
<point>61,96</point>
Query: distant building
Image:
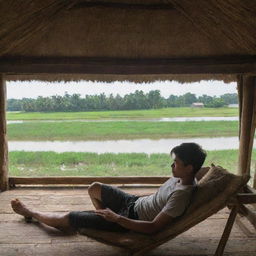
<point>233,105</point>
<point>197,105</point>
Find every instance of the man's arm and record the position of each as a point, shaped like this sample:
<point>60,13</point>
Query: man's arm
<point>148,227</point>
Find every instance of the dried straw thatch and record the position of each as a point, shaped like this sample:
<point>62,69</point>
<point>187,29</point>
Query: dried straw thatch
<point>127,29</point>
<point>110,78</point>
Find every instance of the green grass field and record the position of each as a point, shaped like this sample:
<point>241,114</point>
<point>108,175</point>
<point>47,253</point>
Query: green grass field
<point>132,114</point>
<point>119,130</point>
<point>92,164</point>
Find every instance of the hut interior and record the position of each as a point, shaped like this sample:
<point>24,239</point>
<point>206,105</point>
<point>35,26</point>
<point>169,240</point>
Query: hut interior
<point>133,40</point>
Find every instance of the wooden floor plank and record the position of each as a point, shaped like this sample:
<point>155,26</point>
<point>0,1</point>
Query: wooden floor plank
<point>20,238</point>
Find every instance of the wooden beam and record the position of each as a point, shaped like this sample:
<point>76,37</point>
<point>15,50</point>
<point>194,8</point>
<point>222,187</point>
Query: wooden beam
<point>86,180</point>
<point>247,122</point>
<point>254,178</point>
<point>248,189</point>
<point>120,5</point>
<point>246,198</point>
<point>3,138</point>
<point>119,66</point>
<point>240,98</point>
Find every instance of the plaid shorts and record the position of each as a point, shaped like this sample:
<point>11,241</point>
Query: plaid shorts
<point>112,198</point>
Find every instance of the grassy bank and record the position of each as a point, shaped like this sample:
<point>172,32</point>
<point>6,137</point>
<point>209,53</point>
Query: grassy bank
<point>91,164</point>
<point>130,114</point>
<point>119,130</point>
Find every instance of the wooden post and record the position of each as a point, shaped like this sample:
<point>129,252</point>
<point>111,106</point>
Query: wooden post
<point>226,232</point>
<point>3,137</point>
<point>254,178</point>
<point>247,89</point>
<point>240,98</point>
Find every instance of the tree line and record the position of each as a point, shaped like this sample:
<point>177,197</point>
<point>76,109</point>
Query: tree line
<point>136,100</point>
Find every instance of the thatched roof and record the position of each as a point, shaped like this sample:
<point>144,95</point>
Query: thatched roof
<point>127,29</point>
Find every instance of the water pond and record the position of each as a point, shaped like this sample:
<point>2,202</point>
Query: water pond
<point>164,119</point>
<point>123,146</point>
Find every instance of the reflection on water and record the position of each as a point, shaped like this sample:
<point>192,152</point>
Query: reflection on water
<point>123,146</point>
<point>202,118</point>
<point>164,119</point>
<point>15,122</point>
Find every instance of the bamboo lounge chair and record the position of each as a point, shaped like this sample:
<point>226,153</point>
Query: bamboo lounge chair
<point>217,188</point>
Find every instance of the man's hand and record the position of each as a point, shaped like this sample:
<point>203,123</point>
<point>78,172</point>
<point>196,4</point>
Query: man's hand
<point>108,215</point>
<point>148,227</point>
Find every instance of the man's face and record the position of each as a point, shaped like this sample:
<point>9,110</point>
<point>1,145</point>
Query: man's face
<point>179,170</point>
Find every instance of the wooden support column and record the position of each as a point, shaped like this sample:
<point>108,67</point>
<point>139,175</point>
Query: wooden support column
<point>226,232</point>
<point>3,137</point>
<point>254,178</point>
<point>247,101</point>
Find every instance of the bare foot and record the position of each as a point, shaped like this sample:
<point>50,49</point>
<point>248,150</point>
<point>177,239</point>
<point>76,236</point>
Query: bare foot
<point>21,209</point>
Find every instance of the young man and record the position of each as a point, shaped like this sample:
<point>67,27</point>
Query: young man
<point>119,211</point>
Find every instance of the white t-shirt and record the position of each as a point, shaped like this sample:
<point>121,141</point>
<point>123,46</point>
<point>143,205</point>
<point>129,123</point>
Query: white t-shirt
<point>171,198</point>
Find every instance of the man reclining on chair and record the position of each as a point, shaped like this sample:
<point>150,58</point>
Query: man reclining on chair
<point>120,211</point>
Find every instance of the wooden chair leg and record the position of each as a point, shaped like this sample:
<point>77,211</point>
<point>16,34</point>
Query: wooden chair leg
<point>226,232</point>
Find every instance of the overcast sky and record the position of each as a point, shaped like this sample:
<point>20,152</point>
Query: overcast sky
<point>19,90</point>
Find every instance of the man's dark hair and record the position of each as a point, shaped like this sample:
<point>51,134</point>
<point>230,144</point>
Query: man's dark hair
<point>190,153</point>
